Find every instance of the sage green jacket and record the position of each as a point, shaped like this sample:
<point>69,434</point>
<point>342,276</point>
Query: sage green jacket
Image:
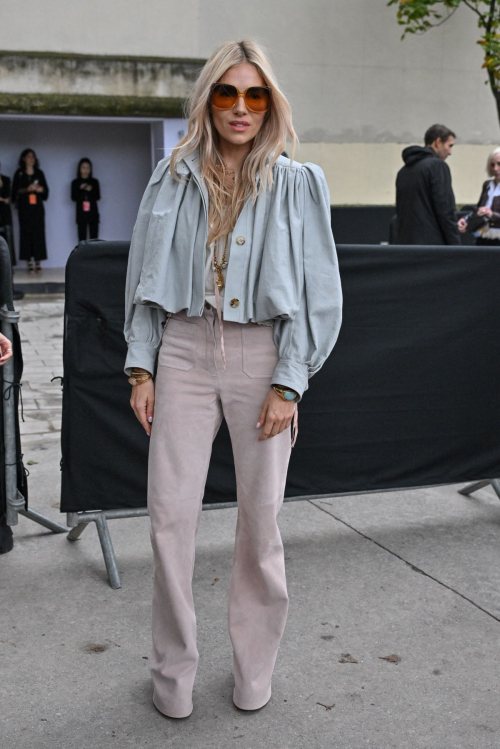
<point>283,265</point>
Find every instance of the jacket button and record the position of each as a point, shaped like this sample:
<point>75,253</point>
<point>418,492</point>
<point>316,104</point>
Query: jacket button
<point>240,240</point>
<point>235,302</point>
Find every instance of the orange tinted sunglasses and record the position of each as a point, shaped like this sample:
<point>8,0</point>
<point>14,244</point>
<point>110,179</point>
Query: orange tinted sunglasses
<point>225,96</point>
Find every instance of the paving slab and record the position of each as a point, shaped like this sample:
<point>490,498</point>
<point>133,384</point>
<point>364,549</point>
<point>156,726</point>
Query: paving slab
<point>420,529</point>
<point>75,652</point>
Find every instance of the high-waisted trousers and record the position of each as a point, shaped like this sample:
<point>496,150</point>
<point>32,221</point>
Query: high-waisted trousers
<point>193,392</point>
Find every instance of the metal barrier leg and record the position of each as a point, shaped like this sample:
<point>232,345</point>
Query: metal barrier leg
<point>473,487</point>
<point>77,531</point>
<point>42,520</point>
<point>495,483</point>
<point>107,550</point>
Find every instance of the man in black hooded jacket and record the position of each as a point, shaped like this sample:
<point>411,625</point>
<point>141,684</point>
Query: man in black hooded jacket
<point>425,202</point>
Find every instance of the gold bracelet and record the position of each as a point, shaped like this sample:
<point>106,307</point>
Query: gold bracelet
<point>136,380</point>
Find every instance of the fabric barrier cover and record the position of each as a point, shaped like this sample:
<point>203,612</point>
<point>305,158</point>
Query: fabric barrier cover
<point>409,396</point>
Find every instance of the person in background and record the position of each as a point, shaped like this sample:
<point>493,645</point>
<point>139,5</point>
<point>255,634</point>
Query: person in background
<point>6,216</point>
<point>488,207</point>
<point>85,191</point>
<point>29,191</point>
<point>425,203</point>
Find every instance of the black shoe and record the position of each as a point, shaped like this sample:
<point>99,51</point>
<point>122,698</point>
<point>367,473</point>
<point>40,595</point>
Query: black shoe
<point>6,539</point>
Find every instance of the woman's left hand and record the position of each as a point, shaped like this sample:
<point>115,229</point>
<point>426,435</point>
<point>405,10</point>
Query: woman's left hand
<point>484,211</point>
<point>5,349</point>
<point>276,416</point>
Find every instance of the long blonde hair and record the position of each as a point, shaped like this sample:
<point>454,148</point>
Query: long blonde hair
<point>256,171</point>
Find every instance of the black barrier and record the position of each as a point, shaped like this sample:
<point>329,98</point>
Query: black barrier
<point>362,224</point>
<point>408,398</point>
<point>10,388</point>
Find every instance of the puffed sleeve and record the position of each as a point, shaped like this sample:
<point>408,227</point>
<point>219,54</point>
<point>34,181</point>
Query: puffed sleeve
<point>308,339</point>
<point>143,323</point>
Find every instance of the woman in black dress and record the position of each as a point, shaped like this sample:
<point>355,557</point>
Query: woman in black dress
<point>29,191</point>
<point>6,216</point>
<point>85,191</point>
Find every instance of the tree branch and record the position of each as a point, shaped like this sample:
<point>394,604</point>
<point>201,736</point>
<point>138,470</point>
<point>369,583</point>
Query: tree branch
<point>475,10</point>
<point>443,20</point>
<point>490,19</point>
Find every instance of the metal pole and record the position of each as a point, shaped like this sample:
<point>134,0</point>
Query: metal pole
<point>494,483</point>
<point>108,551</point>
<point>16,503</point>
<point>45,521</point>
<point>76,531</point>
<point>15,500</point>
<point>473,487</point>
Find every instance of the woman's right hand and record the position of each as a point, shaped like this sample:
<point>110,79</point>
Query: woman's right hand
<point>5,349</point>
<point>142,401</point>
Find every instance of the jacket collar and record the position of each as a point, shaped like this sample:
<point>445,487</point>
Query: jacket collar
<point>191,165</point>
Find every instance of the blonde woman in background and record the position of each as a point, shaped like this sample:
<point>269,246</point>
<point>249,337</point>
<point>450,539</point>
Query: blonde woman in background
<point>488,206</point>
<point>233,293</point>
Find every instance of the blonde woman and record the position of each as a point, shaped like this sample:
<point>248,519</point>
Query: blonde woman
<point>233,292</point>
<point>488,207</point>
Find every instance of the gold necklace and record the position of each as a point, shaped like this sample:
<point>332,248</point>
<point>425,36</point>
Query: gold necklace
<point>219,267</point>
<point>227,173</point>
<point>224,169</point>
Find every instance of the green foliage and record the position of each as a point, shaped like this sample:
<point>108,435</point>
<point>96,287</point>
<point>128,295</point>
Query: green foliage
<point>418,16</point>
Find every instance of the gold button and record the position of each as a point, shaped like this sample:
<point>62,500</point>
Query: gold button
<point>235,302</point>
<point>240,240</point>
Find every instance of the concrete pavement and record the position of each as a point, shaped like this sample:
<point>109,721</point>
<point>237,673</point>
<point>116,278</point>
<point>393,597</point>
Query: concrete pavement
<point>413,574</point>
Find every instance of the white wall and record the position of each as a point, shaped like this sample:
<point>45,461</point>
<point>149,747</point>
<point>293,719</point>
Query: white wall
<point>120,153</point>
<point>349,77</point>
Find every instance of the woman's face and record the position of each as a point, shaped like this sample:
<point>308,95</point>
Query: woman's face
<point>85,170</point>
<point>238,125</point>
<point>29,159</point>
<point>495,167</point>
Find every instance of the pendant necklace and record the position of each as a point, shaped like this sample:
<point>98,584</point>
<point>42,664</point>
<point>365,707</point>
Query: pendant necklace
<point>219,267</point>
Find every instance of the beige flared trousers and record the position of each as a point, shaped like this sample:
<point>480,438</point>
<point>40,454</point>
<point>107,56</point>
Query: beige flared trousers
<point>193,393</point>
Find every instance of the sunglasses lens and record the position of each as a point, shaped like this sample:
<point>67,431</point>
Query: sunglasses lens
<point>223,96</point>
<point>258,99</point>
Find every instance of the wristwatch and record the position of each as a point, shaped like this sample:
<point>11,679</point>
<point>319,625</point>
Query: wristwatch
<point>285,393</point>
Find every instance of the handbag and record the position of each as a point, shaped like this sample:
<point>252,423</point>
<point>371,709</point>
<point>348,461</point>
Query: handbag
<point>476,223</point>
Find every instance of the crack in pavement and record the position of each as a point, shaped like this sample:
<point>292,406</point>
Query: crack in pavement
<point>412,566</point>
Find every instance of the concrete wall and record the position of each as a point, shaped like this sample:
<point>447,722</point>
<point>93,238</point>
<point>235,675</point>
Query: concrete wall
<point>358,93</point>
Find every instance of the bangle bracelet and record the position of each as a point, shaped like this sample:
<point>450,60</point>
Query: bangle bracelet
<point>285,393</point>
<point>136,380</point>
